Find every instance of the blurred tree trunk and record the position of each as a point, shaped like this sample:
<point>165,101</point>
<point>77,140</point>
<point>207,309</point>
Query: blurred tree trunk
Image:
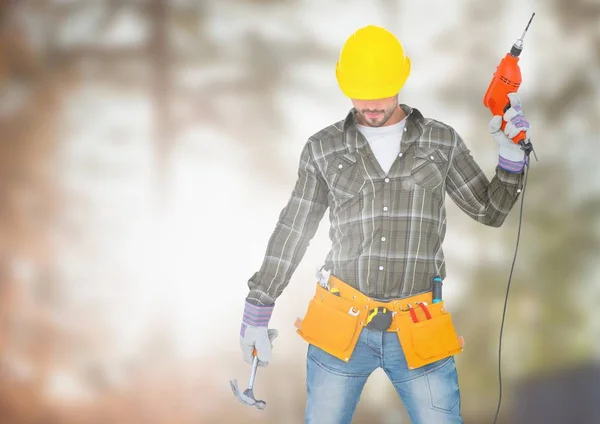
<point>161,62</point>
<point>29,206</point>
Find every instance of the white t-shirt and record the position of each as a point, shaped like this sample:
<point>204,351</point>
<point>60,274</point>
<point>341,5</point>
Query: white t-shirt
<point>385,142</point>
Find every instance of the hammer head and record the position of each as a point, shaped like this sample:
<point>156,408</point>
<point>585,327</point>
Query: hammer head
<point>247,396</point>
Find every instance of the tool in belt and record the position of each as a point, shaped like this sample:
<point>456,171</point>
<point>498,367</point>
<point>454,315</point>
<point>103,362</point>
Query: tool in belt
<point>379,319</point>
<point>338,312</point>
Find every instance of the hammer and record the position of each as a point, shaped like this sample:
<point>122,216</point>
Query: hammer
<point>248,396</point>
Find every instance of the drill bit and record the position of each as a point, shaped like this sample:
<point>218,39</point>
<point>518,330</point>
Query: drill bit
<point>519,43</point>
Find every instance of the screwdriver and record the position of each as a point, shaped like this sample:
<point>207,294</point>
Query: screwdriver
<point>437,290</point>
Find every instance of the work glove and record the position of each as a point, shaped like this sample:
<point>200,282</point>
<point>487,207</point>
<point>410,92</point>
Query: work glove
<point>512,156</point>
<point>255,334</point>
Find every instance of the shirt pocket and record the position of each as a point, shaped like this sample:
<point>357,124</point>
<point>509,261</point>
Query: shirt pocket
<point>429,167</point>
<point>345,177</point>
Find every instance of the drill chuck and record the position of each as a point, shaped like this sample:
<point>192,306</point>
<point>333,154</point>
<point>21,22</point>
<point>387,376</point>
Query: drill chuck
<point>516,50</point>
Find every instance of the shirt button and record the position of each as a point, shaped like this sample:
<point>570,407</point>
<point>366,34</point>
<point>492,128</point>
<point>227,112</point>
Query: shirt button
<point>404,128</point>
<point>387,180</point>
<point>385,208</point>
<point>518,190</point>
<point>400,155</point>
<point>380,268</point>
<point>340,166</point>
<point>431,157</point>
<point>382,238</point>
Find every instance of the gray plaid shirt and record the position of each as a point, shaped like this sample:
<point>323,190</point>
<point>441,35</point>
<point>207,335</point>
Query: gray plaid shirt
<point>386,230</point>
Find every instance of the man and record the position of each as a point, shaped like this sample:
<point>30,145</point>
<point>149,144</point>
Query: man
<point>383,172</point>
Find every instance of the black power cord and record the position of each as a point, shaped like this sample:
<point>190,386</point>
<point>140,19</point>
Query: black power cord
<point>528,149</point>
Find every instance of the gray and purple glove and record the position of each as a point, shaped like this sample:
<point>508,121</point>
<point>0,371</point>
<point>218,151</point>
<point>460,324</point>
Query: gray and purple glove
<point>254,333</point>
<point>511,156</point>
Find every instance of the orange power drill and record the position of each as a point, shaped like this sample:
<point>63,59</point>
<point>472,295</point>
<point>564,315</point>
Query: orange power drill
<point>507,79</point>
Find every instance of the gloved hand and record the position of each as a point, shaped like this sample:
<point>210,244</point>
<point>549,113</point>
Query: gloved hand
<point>254,333</point>
<point>512,156</point>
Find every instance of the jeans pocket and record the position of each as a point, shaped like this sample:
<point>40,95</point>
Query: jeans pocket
<point>442,381</point>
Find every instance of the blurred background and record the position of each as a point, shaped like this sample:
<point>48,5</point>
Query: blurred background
<point>147,148</point>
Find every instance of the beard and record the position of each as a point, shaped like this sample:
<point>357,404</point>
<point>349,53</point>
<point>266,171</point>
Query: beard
<point>378,121</point>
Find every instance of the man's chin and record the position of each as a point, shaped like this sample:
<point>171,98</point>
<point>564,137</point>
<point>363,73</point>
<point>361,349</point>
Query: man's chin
<point>375,123</point>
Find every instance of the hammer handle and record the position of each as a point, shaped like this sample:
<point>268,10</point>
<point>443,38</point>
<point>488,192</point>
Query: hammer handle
<point>253,372</point>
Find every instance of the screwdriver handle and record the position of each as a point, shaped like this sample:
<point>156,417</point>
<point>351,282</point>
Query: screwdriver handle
<point>437,290</point>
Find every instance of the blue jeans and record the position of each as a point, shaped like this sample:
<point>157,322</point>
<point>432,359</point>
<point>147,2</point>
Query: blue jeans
<point>430,394</point>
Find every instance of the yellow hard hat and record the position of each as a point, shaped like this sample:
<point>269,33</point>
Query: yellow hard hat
<point>372,64</point>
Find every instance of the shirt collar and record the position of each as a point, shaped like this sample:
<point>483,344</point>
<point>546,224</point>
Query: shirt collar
<point>355,140</point>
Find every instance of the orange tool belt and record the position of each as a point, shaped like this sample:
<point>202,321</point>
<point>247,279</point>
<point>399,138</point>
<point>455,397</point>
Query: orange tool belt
<point>335,318</point>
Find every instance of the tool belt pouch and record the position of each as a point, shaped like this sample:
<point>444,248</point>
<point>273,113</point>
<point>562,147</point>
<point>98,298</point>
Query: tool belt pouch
<point>427,335</point>
<point>331,323</point>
